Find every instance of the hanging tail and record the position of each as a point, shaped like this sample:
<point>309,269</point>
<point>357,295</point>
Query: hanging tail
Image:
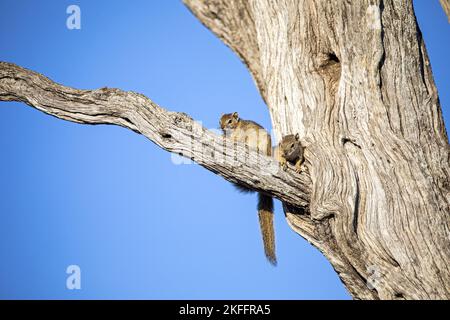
<point>265,214</point>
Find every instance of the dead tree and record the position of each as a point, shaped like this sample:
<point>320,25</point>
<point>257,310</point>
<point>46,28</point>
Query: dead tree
<point>353,78</point>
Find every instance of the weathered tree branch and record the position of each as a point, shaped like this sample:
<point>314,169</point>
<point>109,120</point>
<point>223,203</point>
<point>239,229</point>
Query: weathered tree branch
<point>173,131</point>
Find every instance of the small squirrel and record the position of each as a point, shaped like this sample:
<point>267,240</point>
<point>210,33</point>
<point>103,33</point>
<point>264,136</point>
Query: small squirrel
<point>290,150</point>
<point>258,139</point>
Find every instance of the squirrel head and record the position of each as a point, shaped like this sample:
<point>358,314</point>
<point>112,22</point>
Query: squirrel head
<point>291,147</point>
<point>229,121</point>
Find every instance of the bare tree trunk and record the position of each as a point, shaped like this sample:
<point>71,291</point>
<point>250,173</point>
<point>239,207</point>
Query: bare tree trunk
<point>354,80</point>
<point>446,6</point>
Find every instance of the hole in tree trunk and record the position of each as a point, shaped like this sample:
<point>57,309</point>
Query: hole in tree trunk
<point>330,70</point>
<point>333,58</point>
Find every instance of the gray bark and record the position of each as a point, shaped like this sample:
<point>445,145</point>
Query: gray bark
<point>354,80</point>
<point>446,6</point>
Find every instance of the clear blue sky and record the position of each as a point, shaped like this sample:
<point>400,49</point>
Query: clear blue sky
<point>109,200</point>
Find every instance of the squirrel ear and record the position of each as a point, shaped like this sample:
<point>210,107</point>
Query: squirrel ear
<point>235,115</point>
<point>297,136</point>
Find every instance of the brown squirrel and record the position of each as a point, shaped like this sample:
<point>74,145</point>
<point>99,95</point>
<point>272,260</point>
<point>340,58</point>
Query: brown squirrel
<point>258,139</point>
<point>290,150</point>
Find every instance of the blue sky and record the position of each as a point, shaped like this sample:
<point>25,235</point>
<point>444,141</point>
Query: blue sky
<point>110,201</point>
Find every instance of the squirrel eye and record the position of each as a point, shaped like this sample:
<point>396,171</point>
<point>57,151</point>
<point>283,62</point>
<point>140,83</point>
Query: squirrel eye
<point>292,145</point>
<point>229,121</point>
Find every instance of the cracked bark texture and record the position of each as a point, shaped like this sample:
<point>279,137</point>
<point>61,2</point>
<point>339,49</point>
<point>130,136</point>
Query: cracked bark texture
<point>353,78</point>
<point>175,132</point>
<point>446,7</point>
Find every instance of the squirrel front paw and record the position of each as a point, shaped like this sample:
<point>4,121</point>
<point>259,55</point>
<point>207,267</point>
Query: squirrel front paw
<point>298,166</point>
<point>282,163</point>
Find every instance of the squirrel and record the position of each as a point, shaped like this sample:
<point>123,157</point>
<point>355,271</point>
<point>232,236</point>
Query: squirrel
<point>290,150</point>
<point>258,139</point>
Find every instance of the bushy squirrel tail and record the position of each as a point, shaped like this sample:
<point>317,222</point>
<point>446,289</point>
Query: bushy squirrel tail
<point>242,189</point>
<point>265,214</point>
